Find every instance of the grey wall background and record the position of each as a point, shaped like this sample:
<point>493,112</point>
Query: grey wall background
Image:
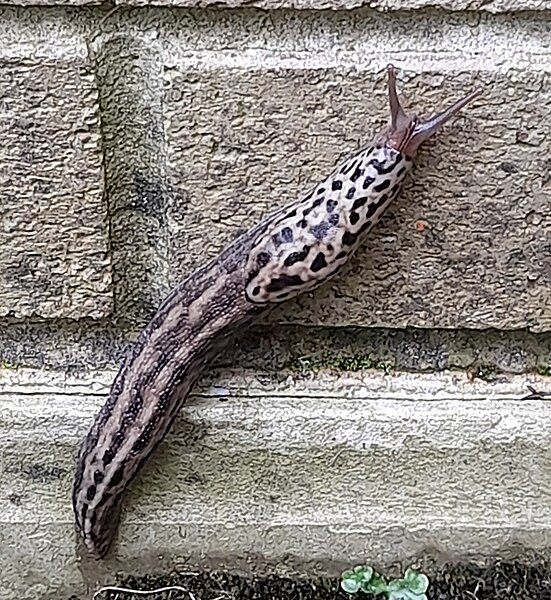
<point>379,418</point>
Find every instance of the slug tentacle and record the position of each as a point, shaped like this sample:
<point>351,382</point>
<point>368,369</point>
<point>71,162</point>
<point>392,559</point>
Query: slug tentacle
<point>292,250</point>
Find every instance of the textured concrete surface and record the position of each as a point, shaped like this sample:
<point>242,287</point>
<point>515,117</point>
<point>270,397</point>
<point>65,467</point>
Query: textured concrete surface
<point>54,234</point>
<point>83,346</point>
<point>330,469</point>
<point>466,246</point>
<point>491,6</point>
<point>257,107</point>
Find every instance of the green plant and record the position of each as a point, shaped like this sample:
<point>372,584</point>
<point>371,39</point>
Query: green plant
<point>363,578</point>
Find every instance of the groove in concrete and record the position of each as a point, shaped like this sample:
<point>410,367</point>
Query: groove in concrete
<point>331,468</point>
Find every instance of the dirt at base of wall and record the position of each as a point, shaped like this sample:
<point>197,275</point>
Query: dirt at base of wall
<point>494,580</point>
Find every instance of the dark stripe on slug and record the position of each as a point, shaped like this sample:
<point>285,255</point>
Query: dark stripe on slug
<point>357,174</point>
<point>382,186</point>
<point>348,166</point>
<point>350,193</point>
<point>341,254</point>
<point>359,202</point>
<point>367,182</point>
<point>90,492</point>
<point>331,205</point>
<point>374,206</point>
<point>280,283</point>
<point>295,257</point>
<point>354,218</point>
<point>382,169</point>
<point>117,476</point>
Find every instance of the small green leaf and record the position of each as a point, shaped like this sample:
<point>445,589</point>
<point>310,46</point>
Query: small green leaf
<point>376,585</point>
<point>350,586</point>
<point>364,573</point>
<point>417,582</point>
<point>354,579</point>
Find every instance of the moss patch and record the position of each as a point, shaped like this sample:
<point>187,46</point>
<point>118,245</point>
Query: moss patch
<point>515,580</point>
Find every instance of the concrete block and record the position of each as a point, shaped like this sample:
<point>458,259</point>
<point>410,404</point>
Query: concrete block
<point>330,469</point>
<point>491,6</point>
<point>54,260</point>
<point>257,120</point>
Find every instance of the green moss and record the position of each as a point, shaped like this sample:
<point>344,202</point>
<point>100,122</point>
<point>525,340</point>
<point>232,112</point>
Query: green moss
<point>355,362</point>
<point>544,371</point>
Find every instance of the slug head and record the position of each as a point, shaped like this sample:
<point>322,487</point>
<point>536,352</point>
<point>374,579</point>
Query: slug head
<point>407,132</point>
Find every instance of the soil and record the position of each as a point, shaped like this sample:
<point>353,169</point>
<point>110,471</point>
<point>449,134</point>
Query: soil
<point>494,581</point>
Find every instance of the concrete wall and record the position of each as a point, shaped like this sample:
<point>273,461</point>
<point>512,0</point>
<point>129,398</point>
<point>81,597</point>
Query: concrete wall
<point>377,419</point>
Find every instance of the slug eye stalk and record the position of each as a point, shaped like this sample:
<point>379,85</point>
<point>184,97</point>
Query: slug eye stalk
<point>407,132</point>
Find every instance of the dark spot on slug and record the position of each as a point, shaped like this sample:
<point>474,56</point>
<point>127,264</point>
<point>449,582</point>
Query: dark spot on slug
<point>357,174</point>
<point>395,189</point>
<point>98,477</point>
<point>302,223</point>
<point>292,214</point>
<point>333,219</point>
<point>107,457</point>
<point>317,202</point>
<point>321,190</point>
<point>331,205</point>
<point>382,186</point>
<point>359,202</point>
<point>283,295</point>
<point>350,193</point>
<point>336,185</point>
<point>354,218</point>
<point>374,207</point>
<point>256,290</point>
<point>287,234</point>
<point>341,254</point>
<point>318,263</point>
<point>367,182</point>
<point>280,283</point>
<point>262,259</point>
<point>320,231</point>
<point>384,169</point>
<point>117,476</point>
<point>307,211</point>
<point>349,239</point>
<point>365,226</point>
<point>295,257</point>
<point>91,492</point>
<point>252,274</point>
<point>308,196</point>
<point>400,171</point>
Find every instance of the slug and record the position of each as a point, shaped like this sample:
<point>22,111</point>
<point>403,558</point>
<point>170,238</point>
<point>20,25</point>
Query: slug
<point>294,249</point>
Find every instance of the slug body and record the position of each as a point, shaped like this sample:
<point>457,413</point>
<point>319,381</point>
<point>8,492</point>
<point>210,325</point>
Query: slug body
<point>292,250</point>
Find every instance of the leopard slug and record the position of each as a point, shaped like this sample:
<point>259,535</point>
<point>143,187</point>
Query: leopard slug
<point>294,249</point>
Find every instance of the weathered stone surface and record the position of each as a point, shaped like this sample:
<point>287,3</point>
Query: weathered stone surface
<point>468,243</point>
<point>491,6</point>
<point>296,472</point>
<point>54,235</point>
